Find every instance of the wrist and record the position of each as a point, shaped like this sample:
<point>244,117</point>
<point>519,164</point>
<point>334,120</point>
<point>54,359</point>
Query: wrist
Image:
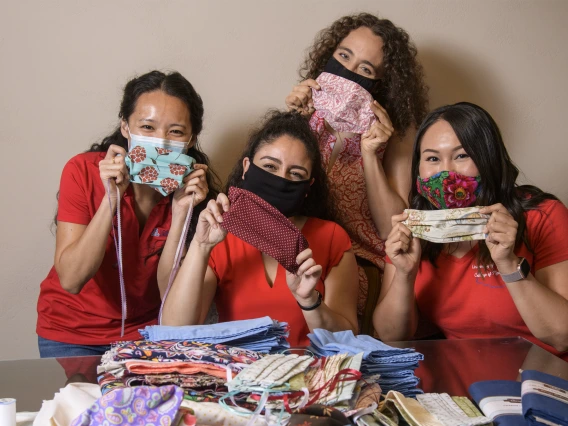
<point>202,249</point>
<point>507,266</point>
<point>311,302</point>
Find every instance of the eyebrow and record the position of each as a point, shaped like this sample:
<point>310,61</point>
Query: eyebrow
<point>363,60</point>
<point>153,121</point>
<point>457,148</point>
<point>276,160</point>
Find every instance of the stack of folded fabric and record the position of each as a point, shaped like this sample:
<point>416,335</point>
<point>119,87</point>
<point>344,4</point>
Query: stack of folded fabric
<point>393,368</point>
<point>260,335</point>
<point>201,369</point>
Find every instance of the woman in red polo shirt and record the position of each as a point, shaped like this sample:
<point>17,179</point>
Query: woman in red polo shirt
<point>513,283</point>
<point>282,165</point>
<point>80,305</point>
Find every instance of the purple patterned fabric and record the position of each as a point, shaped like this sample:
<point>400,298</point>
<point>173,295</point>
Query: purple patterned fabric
<point>141,406</point>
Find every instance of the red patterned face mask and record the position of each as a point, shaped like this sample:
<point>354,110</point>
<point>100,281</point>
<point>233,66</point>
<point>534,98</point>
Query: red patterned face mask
<point>256,222</point>
<point>343,104</point>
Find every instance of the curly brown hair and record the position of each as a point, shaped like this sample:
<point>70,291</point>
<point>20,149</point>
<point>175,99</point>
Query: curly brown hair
<point>401,90</point>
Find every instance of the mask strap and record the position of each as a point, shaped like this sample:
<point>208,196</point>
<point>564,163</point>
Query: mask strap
<point>118,247</point>
<point>177,257</point>
<point>369,410</point>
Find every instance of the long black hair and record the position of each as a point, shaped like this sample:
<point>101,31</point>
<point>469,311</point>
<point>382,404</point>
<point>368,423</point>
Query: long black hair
<point>276,124</point>
<point>173,84</point>
<point>481,139</point>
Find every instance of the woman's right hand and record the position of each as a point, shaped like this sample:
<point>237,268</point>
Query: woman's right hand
<point>300,99</point>
<point>209,231</point>
<point>113,167</point>
<point>402,248</point>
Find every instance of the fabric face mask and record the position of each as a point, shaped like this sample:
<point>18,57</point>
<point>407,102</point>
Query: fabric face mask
<point>287,196</point>
<point>334,67</point>
<point>447,226</point>
<point>160,163</point>
<point>449,190</point>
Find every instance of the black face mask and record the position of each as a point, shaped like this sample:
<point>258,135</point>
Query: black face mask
<point>285,195</point>
<point>334,67</point>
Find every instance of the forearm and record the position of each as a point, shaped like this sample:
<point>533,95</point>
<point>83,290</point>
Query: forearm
<point>396,315</point>
<point>184,303</point>
<point>384,201</point>
<point>326,318</point>
<point>166,263</point>
<point>81,260</point>
<point>544,312</point>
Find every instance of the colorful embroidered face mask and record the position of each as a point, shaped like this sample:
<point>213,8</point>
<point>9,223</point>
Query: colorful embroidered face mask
<point>160,163</point>
<point>343,103</point>
<point>447,226</point>
<point>449,190</point>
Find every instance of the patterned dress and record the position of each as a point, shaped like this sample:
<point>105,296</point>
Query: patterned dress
<point>348,188</point>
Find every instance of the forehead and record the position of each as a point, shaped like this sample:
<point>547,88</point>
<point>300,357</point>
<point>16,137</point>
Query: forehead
<point>158,104</point>
<point>365,44</point>
<point>285,148</point>
<point>439,136</point>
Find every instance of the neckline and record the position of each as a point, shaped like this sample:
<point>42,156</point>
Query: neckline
<point>466,258</point>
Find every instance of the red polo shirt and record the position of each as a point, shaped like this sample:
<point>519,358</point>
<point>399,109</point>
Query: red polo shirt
<point>93,317</point>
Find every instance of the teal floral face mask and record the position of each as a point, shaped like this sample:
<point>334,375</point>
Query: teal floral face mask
<point>449,190</point>
<point>160,163</point>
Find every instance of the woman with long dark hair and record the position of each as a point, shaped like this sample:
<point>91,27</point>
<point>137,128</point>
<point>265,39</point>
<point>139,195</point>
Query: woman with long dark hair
<point>280,164</point>
<point>510,283</point>
<point>367,169</point>
<point>81,308</point>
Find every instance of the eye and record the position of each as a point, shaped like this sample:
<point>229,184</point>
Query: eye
<point>269,167</point>
<point>177,132</point>
<point>344,56</point>
<point>462,156</point>
<point>432,158</point>
<point>147,127</point>
<point>298,175</point>
<point>366,70</point>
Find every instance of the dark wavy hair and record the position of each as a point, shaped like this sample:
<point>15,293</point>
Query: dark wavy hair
<point>174,84</point>
<point>274,125</point>
<point>481,139</point>
<point>401,89</point>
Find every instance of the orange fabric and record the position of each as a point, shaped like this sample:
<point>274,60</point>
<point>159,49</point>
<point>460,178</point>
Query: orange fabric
<point>466,302</point>
<point>93,317</point>
<point>244,293</point>
<point>182,367</point>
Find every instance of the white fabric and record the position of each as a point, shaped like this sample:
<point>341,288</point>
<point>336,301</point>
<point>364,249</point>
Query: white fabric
<point>67,404</point>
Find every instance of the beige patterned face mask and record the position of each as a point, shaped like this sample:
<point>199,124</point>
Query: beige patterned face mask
<point>448,225</point>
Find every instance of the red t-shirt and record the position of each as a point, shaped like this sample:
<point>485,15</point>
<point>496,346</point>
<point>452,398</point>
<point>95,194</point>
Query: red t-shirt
<point>466,302</point>
<point>244,293</point>
<point>93,317</point>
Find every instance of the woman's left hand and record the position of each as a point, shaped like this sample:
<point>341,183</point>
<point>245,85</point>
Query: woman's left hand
<point>379,133</point>
<point>502,233</point>
<point>303,283</point>
<point>195,182</point>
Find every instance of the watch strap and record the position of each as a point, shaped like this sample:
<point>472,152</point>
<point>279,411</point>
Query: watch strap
<point>517,275</point>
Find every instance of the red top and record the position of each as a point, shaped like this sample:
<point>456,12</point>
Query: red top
<point>466,302</point>
<point>93,316</point>
<point>244,293</point>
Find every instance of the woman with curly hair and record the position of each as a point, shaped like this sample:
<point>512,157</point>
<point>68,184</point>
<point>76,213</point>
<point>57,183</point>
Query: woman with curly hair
<point>368,172</point>
<point>282,165</point>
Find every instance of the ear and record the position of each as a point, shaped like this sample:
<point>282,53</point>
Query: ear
<point>124,129</point>
<point>246,165</point>
<point>311,183</point>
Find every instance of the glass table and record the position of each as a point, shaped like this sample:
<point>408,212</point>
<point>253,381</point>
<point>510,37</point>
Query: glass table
<point>449,366</point>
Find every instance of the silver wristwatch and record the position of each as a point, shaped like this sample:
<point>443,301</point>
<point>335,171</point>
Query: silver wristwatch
<point>523,271</point>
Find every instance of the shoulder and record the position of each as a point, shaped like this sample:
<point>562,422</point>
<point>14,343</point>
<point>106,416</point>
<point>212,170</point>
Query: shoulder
<point>324,231</point>
<point>86,160</point>
<point>548,213</point>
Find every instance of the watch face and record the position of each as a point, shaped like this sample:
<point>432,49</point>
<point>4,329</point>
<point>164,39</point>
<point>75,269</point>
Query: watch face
<point>525,268</point>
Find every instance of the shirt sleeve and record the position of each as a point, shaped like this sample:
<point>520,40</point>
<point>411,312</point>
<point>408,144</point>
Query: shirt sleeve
<point>339,244</point>
<point>73,205</point>
<point>547,229</point>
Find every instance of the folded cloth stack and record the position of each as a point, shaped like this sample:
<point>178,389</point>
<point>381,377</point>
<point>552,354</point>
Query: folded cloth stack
<point>393,366</point>
<point>260,335</point>
<point>201,369</point>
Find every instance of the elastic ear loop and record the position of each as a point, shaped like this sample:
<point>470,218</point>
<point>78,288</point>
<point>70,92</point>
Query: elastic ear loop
<point>177,258</point>
<point>369,410</point>
<point>118,247</point>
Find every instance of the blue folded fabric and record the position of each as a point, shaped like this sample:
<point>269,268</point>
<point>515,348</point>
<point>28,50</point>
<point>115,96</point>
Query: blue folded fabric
<point>544,397</point>
<point>395,366</point>
<point>500,400</point>
<point>259,334</point>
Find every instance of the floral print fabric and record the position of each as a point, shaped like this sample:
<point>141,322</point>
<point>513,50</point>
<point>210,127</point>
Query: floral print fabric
<point>256,222</point>
<point>141,406</point>
<point>343,104</point>
<point>446,226</point>
<point>161,167</point>
<point>449,190</point>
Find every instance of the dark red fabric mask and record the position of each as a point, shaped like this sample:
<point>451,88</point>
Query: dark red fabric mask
<point>256,222</point>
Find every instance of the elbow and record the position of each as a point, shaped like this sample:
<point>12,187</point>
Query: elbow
<point>558,340</point>
<point>68,284</point>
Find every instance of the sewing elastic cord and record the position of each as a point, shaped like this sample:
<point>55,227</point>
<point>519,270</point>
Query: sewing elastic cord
<point>363,412</point>
<point>177,258</point>
<point>118,247</point>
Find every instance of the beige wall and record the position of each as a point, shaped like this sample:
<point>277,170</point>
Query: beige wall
<point>63,64</point>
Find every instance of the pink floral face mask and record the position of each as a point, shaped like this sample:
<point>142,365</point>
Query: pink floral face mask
<point>343,104</point>
<point>449,190</point>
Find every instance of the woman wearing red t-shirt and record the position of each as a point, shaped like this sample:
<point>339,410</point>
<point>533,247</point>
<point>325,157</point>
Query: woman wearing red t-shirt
<point>282,165</point>
<point>511,284</point>
<point>80,306</point>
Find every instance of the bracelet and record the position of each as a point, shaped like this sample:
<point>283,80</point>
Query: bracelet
<point>314,306</point>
